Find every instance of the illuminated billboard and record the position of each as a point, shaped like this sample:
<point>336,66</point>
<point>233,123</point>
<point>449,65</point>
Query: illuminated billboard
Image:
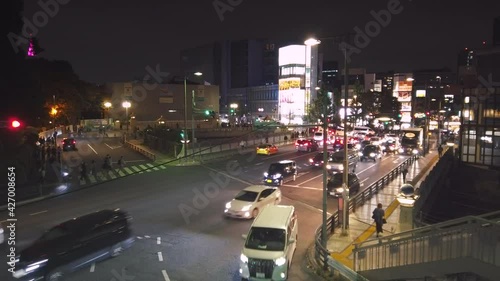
<point>293,54</point>
<point>403,88</point>
<point>291,101</point>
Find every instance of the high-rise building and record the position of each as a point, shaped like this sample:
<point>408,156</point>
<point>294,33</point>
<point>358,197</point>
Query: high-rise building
<point>330,76</point>
<point>235,65</point>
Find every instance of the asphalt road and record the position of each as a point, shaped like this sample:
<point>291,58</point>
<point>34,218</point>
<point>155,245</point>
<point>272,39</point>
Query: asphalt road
<point>176,245</point>
<point>95,147</point>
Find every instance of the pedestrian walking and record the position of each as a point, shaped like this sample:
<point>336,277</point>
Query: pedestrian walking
<point>121,162</point>
<point>83,171</point>
<point>404,172</point>
<point>92,168</point>
<point>42,175</point>
<point>379,218</point>
<point>440,151</point>
<point>242,144</point>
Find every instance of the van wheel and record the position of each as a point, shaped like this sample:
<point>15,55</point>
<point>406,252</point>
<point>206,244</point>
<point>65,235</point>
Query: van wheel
<point>55,275</point>
<point>116,250</point>
<point>255,213</point>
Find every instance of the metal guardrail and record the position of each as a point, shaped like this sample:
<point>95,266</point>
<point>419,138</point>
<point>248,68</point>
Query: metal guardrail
<point>321,253</point>
<point>473,237</point>
<point>142,151</point>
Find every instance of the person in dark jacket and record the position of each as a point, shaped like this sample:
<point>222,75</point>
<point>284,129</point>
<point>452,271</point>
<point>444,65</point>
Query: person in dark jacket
<point>379,217</point>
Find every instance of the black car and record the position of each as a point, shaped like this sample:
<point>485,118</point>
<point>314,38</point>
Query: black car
<point>306,145</point>
<point>335,182</point>
<point>74,244</point>
<point>68,144</point>
<point>362,144</point>
<point>390,146</point>
<point>317,160</point>
<point>279,172</point>
<point>370,152</point>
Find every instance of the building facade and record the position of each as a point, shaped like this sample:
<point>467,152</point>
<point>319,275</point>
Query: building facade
<point>162,101</point>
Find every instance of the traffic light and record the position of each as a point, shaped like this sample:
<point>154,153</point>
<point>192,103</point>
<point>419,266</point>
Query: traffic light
<point>183,136</point>
<point>232,110</point>
<point>15,124</point>
<point>207,112</point>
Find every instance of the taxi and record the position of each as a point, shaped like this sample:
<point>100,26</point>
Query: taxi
<point>267,149</point>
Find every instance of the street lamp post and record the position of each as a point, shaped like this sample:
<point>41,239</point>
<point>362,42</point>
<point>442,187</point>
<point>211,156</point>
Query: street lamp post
<point>185,113</point>
<point>126,105</point>
<point>345,194</point>
<point>312,42</point>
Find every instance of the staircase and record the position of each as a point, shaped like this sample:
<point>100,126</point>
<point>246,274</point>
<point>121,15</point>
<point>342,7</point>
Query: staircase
<point>467,248</point>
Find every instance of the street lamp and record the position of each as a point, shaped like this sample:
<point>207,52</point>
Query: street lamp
<point>126,105</point>
<point>185,112</point>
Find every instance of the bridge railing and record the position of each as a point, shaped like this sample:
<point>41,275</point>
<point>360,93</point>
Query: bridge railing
<point>321,253</point>
<point>468,237</point>
<point>141,150</point>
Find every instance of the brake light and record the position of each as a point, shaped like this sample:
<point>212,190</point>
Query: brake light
<point>74,142</point>
<point>306,144</point>
<point>310,160</point>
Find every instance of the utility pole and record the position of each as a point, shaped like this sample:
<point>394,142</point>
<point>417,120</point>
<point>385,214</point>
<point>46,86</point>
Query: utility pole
<point>345,185</point>
<point>324,237</point>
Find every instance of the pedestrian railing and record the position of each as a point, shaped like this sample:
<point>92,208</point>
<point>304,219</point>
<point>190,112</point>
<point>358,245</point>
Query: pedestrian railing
<point>438,177</point>
<point>472,238</point>
<point>321,253</point>
<point>141,150</point>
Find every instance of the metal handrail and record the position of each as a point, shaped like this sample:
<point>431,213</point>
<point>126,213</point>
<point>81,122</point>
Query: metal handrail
<point>468,237</point>
<point>321,254</point>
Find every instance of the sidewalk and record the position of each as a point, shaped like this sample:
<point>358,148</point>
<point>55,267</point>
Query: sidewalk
<point>361,225</point>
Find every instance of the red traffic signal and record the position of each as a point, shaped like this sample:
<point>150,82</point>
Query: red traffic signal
<point>15,124</point>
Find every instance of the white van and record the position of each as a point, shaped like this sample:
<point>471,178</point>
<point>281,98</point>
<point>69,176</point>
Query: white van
<point>362,130</point>
<point>270,244</point>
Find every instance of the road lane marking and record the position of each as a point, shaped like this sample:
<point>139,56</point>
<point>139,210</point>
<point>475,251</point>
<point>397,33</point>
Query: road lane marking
<point>227,175</point>
<point>37,213</point>
<point>147,236</point>
<point>128,170</point>
<point>303,187</point>
<point>361,182</point>
<point>135,168</point>
<point>158,240</point>
<point>92,267</point>
<point>160,256</point>
<point>260,163</point>
<point>92,148</point>
<point>313,178</point>
<point>165,275</point>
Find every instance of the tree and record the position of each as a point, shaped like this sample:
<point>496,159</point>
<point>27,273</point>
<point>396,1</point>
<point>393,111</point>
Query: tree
<point>316,111</point>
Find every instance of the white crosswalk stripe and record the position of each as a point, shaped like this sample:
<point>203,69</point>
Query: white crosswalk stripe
<point>103,176</point>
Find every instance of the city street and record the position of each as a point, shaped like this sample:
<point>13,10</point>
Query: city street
<point>177,216</point>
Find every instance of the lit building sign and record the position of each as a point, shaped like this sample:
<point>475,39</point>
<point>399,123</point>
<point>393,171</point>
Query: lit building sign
<point>403,88</point>
<point>420,93</point>
<point>291,101</point>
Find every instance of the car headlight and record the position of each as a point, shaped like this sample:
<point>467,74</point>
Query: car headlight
<point>280,261</point>
<point>401,150</point>
<point>1,230</point>
<point>246,208</point>
<point>243,258</point>
<point>35,265</point>
<point>266,174</point>
<point>383,147</point>
<point>339,190</point>
<point>228,205</point>
<point>278,175</point>
<point>357,146</point>
<point>391,147</point>
<point>372,154</point>
<point>311,160</point>
<point>328,167</point>
<point>360,153</point>
<point>415,151</point>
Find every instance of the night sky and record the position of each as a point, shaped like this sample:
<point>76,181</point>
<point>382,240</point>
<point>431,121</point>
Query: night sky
<point>114,40</point>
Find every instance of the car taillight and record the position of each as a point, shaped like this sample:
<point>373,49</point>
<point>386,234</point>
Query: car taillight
<point>306,144</point>
<point>310,160</point>
<point>74,142</point>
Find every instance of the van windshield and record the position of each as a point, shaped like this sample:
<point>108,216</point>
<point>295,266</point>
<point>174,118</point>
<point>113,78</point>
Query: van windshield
<point>266,239</point>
